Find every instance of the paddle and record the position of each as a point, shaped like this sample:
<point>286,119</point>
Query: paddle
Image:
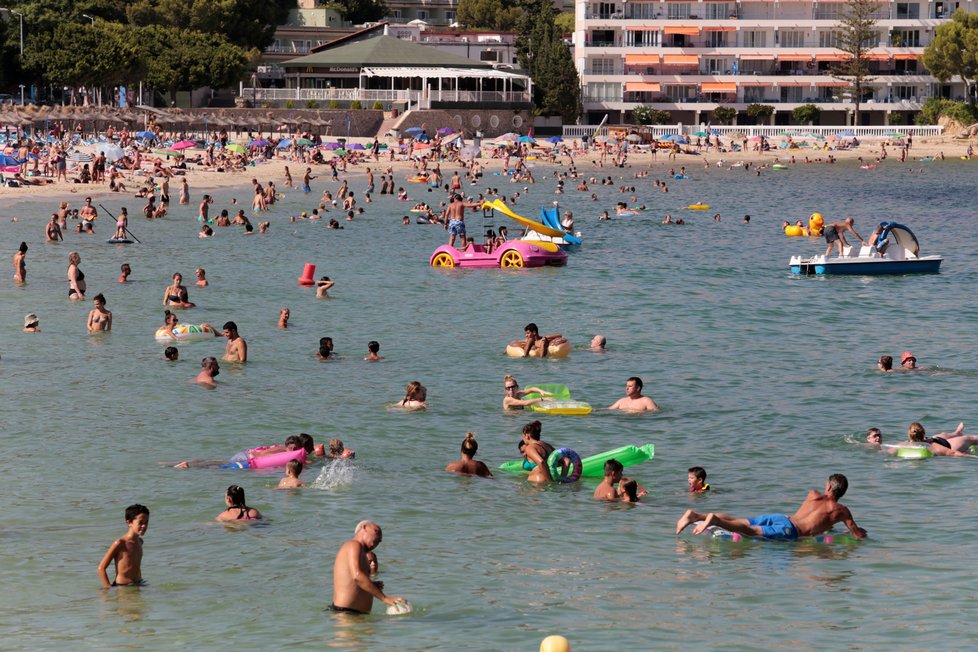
<point>123,228</point>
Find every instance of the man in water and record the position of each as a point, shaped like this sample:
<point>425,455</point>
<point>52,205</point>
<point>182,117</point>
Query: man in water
<point>598,343</point>
<point>633,401</point>
<point>817,514</point>
<point>88,214</point>
<point>952,444</point>
<point>236,349</point>
<point>353,590</point>
<point>835,232</point>
<point>209,368</point>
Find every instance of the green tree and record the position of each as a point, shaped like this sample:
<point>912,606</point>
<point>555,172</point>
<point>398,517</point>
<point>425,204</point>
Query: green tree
<point>724,114</point>
<point>646,115</point>
<point>246,23</point>
<point>488,14</point>
<point>761,113</point>
<point>565,22</point>
<point>104,54</point>
<point>361,11</point>
<point>954,51</point>
<point>806,114</point>
<point>178,60</point>
<point>855,38</point>
<point>543,54</point>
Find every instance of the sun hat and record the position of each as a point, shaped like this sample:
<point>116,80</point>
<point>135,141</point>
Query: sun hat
<point>30,318</point>
<point>907,355</point>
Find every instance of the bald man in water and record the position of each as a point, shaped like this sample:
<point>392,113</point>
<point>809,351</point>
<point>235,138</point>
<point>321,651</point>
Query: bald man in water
<point>353,590</point>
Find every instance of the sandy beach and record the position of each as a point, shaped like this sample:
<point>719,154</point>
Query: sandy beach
<point>587,163</point>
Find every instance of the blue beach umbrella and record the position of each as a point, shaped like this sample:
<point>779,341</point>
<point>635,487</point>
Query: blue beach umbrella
<point>148,135</point>
<point>413,130</point>
<point>555,139</point>
<point>284,143</point>
<point>525,139</point>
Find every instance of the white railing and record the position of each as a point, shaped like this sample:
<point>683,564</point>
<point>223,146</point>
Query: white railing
<point>479,96</point>
<point>576,131</point>
<point>350,94</point>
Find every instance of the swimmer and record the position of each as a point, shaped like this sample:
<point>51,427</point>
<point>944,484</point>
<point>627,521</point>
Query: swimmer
<point>353,590</point>
<point>176,294</point>
<point>125,270</point>
<point>533,340</point>
<point>237,509</point>
<point>414,397</point>
<point>514,397</point>
<point>76,278</point>
<point>236,349</point>
<point>322,287</point>
<point>99,319</point>
<point>373,347</point>
<point>283,318</point>
<point>633,401</point>
<point>696,479</point>
<point>628,491</point>
<point>885,363</point>
<point>127,552</point>
<point>612,476</point>
<point>20,264</point>
<point>816,515</point>
<point>598,342</point>
<point>31,323</point>
<point>291,480</point>
<point>908,361</point>
<point>201,277</point>
<point>535,451</point>
<point>468,465</point>
<point>337,451</point>
<point>209,369</point>
<point>325,351</point>
<point>938,444</point>
<point>372,562</point>
<point>171,354</point>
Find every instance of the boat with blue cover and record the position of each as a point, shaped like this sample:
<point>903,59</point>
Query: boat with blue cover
<point>893,249</point>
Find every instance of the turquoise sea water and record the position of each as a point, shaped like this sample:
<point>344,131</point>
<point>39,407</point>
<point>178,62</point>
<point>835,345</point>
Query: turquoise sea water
<point>765,379</point>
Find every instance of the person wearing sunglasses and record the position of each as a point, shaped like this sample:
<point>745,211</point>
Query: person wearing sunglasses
<point>513,398</point>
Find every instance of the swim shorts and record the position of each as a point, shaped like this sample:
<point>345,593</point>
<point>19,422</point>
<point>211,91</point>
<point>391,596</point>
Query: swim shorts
<point>831,235</point>
<point>345,610</point>
<point>456,227</point>
<point>775,527</point>
<point>306,188</point>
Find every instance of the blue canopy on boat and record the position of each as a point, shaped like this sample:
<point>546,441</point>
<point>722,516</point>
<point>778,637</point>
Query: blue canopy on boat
<point>902,235</point>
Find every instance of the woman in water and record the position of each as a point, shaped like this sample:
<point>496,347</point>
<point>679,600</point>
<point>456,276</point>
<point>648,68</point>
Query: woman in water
<point>237,509</point>
<point>535,451</point>
<point>176,294</point>
<point>126,271</point>
<point>513,398</point>
<point>325,351</point>
<point>20,263</point>
<point>76,278</point>
<point>169,323</point>
<point>468,465</point>
<point>99,319</point>
<point>201,277</point>
<point>414,397</point>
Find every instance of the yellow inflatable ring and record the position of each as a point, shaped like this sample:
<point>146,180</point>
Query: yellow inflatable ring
<point>558,349</point>
<point>699,207</point>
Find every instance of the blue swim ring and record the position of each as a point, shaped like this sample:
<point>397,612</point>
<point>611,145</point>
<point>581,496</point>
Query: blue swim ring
<point>565,465</point>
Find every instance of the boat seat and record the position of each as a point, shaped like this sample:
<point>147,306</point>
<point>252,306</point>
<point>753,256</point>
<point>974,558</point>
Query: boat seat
<point>867,252</point>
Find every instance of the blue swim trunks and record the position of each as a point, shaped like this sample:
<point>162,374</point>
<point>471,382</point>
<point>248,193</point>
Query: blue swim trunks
<point>456,227</point>
<point>775,527</point>
<point>306,188</point>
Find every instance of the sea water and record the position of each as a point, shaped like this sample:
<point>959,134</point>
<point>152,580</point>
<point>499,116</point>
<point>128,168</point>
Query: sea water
<point>764,378</point>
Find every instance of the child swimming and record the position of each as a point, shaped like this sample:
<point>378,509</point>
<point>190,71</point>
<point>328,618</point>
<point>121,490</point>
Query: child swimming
<point>127,552</point>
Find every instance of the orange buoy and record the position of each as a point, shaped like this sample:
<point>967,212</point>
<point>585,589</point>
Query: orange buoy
<point>308,274</point>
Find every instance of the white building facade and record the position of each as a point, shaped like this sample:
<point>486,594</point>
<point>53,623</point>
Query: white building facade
<point>689,57</point>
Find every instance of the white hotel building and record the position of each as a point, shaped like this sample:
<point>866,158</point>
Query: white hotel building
<point>689,57</point>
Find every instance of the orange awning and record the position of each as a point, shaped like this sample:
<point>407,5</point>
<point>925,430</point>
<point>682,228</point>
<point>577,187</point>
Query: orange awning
<point>718,87</point>
<point>654,87</point>
<point>757,57</point>
<point>719,29</point>
<point>686,31</point>
<point>794,57</point>
<point>641,59</point>
<point>904,57</point>
<point>831,57</point>
<point>680,59</point>
<point>877,56</point>
<point>838,83</point>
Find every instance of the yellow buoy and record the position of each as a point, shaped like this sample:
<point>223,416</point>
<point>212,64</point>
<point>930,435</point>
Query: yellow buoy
<point>555,644</point>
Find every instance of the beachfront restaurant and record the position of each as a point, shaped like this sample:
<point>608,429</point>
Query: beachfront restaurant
<point>399,74</point>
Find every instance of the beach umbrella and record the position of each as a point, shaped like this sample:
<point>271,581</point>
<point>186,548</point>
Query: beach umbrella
<point>445,130</point>
<point>112,152</point>
<point>331,145</point>
<point>340,152</point>
<point>234,147</point>
<point>633,138</point>
<point>6,159</point>
<point>183,144</point>
<point>666,137</point>
<point>282,144</point>
<point>894,134</point>
<point>847,134</point>
<point>700,134</point>
<point>555,139</point>
<point>525,139</point>
<point>421,146</point>
<point>756,139</point>
<point>81,157</point>
<point>413,130</point>
<point>356,146</point>
<point>305,142</point>
<point>820,137</point>
<point>166,152</point>
<point>833,138</point>
<point>469,151</point>
<point>258,143</point>
<point>148,135</point>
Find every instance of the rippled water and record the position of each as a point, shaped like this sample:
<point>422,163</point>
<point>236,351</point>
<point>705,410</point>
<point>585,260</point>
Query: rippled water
<point>765,379</point>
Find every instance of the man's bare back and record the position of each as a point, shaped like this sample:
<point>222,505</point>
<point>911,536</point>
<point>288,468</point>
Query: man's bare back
<point>819,513</point>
